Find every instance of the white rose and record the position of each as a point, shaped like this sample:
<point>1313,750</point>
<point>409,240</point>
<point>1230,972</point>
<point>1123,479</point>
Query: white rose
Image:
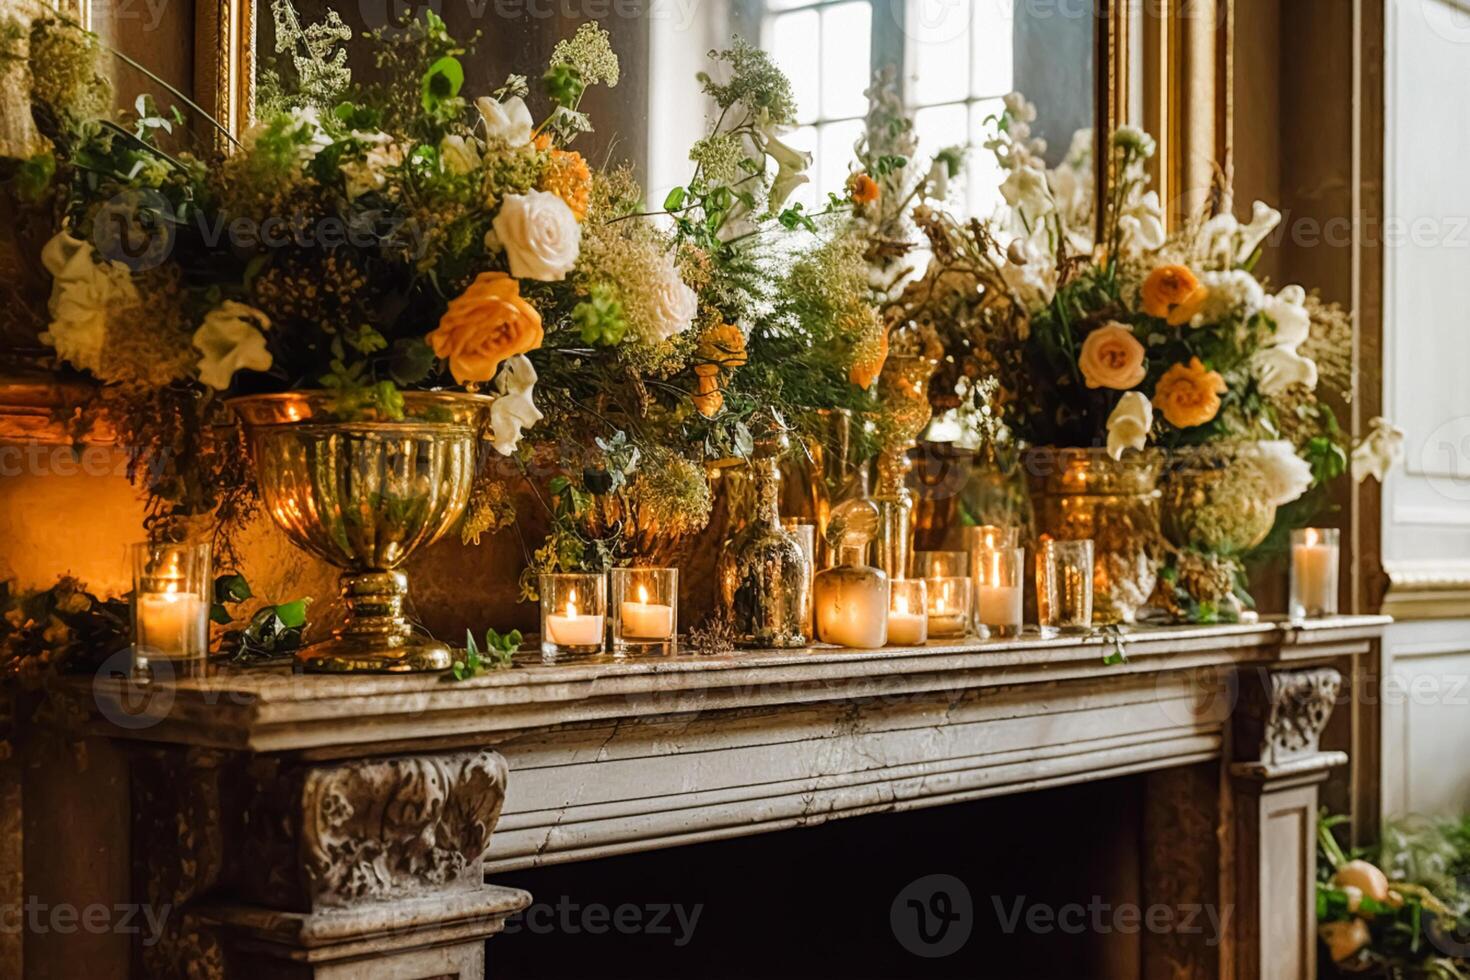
<point>231,339</point>
<point>1130,424</point>
<point>514,410</point>
<point>791,166</point>
<point>370,172</point>
<point>460,156</point>
<point>1380,449</point>
<point>1288,309</point>
<point>540,235</point>
<point>509,121</point>
<point>1278,368</point>
<point>81,295</point>
<point>1231,293</point>
<point>675,305</point>
<point>1288,476</point>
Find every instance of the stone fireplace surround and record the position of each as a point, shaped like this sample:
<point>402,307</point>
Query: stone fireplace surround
<point>321,827</point>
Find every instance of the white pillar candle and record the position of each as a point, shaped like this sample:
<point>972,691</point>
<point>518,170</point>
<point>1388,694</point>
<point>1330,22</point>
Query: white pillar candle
<point>852,609</point>
<point>644,620</point>
<point>1314,568</point>
<point>1000,605</point>
<point>949,606</point>
<point>173,625</point>
<point>572,630</point>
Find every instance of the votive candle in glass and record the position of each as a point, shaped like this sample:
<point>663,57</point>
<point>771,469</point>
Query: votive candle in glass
<point>999,583</point>
<point>805,533</point>
<point>946,575</point>
<point>991,536</point>
<point>171,598</point>
<point>645,610</point>
<point>908,612</point>
<point>573,614</point>
<point>1315,560</point>
<point>1064,587</point>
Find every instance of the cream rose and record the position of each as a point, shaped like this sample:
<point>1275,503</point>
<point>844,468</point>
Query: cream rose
<point>509,121</point>
<point>231,339</point>
<point>1130,424</point>
<point>81,295</point>
<point>674,304</point>
<point>1112,358</point>
<point>540,235</point>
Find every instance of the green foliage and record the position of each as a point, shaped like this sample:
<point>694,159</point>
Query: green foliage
<point>499,654</point>
<point>599,318</point>
<point>58,630</point>
<point>272,631</point>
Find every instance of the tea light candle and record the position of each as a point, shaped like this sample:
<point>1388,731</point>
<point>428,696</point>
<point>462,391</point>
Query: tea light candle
<point>908,623</point>
<point>1314,571</point>
<point>173,625</point>
<point>644,620</point>
<point>572,630</point>
<point>949,606</point>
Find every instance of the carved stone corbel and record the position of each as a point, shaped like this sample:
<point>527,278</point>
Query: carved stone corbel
<point>1278,730</point>
<point>361,867</point>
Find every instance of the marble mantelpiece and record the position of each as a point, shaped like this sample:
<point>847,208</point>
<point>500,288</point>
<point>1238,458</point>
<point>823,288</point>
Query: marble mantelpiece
<point>606,757</point>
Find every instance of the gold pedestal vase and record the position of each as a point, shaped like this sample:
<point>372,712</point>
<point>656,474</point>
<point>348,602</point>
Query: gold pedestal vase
<point>364,495</point>
<point>1216,509</point>
<point>1079,494</point>
<point>903,388</point>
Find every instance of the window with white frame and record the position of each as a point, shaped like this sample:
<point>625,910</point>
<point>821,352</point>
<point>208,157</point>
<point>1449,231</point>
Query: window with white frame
<point>955,58</point>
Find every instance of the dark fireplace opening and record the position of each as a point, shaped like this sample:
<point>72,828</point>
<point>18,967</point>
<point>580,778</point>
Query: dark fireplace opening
<point>1037,886</point>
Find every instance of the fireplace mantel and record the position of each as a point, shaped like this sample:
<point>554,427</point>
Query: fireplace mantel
<point>604,757</point>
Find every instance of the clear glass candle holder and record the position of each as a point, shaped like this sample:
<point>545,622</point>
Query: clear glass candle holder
<point>1064,587</point>
<point>645,610</point>
<point>908,613</point>
<point>171,598</point>
<point>1315,561</point>
<point>948,602</point>
<point>992,537</point>
<point>941,564</point>
<point>805,533</point>
<point>1000,580</point>
<point>573,614</point>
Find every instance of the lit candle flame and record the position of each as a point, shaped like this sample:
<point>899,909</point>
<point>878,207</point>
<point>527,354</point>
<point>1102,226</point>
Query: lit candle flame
<point>995,568</point>
<point>939,605</point>
<point>642,595</point>
<point>1312,537</point>
<point>901,604</point>
<point>571,603</point>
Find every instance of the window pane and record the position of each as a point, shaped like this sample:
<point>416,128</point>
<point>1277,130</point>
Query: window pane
<point>774,5</point>
<point>992,29</point>
<point>939,49</point>
<point>792,40</point>
<point>846,54</point>
<point>836,156</point>
<point>985,173</point>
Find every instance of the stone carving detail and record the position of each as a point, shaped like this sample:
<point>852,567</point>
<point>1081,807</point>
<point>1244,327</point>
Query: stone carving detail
<point>381,829</point>
<point>1285,719</point>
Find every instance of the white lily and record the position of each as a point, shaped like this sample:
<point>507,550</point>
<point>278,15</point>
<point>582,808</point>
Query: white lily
<point>231,339</point>
<point>1129,424</point>
<point>791,166</point>
<point>1278,368</point>
<point>1380,450</point>
<point>513,411</point>
<point>509,121</point>
<point>459,155</point>
<point>1288,476</point>
<point>83,292</point>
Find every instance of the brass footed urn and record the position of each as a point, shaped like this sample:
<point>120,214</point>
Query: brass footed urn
<point>363,495</point>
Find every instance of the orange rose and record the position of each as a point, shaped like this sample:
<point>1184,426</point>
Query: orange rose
<point>863,189</point>
<point>568,177</point>
<point>1189,395</point>
<point>709,399</point>
<point>723,346</point>
<point>484,325</point>
<point>870,361</point>
<point>1172,293</point>
<point>1111,358</point>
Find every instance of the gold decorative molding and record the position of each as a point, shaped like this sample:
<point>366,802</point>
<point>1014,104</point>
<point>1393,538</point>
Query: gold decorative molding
<point>224,61</point>
<point>47,411</point>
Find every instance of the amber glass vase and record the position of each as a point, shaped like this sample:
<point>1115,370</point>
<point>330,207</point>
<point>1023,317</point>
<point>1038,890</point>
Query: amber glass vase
<point>1084,494</point>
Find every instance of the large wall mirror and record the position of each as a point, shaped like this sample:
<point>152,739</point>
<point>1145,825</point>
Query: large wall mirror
<point>1087,64</point>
